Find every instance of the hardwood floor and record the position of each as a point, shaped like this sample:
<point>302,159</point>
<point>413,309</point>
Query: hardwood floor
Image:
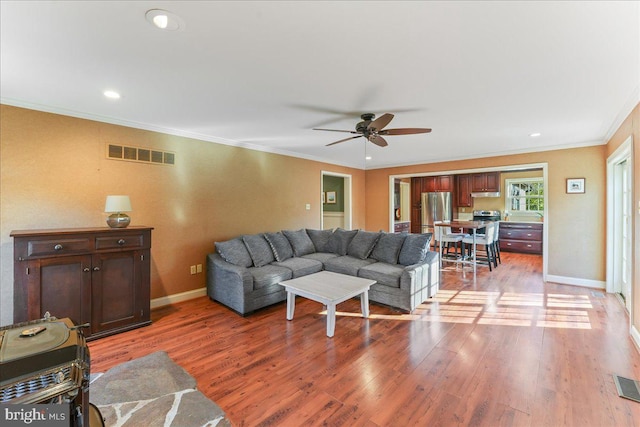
<point>505,350</point>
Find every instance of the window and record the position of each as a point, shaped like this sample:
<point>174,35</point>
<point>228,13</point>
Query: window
<point>525,196</point>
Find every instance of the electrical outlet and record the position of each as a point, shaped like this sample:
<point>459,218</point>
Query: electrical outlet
<point>199,268</point>
<point>308,206</point>
<point>193,269</point>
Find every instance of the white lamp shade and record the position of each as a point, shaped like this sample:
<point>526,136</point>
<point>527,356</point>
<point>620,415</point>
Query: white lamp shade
<point>117,204</point>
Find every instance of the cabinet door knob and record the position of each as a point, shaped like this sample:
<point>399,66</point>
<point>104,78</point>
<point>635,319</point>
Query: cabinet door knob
<point>86,269</point>
<point>57,247</point>
<point>96,268</point>
<point>121,242</point>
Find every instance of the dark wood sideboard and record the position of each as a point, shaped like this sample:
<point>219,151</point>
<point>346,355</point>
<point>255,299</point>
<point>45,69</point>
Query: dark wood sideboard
<point>99,276</point>
<point>523,237</point>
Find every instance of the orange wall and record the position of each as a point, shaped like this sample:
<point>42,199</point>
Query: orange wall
<point>55,174</point>
<point>575,221</point>
<point>631,127</point>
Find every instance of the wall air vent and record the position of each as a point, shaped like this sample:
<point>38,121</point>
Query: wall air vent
<point>137,154</point>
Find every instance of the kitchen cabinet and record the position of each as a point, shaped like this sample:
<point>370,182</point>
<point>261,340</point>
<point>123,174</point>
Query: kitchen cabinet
<point>485,182</point>
<point>463,191</point>
<point>416,211</point>
<point>99,276</point>
<point>432,184</point>
<point>523,237</point>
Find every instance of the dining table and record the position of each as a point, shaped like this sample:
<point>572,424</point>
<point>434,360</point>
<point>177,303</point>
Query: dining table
<point>473,227</point>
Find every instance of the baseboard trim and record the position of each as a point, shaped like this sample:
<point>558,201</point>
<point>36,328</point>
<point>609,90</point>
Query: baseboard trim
<point>585,283</point>
<point>175,298</point>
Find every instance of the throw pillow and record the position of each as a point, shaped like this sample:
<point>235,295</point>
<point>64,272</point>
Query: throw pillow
<point>235,252</point>
<point>388,247</point>
<point>362,244</point>
<point>259,249</point>
<point>320,238</point>
<point>339,241</point>
<point>300,242</point>
<point>414,249</point>
<point>279,245</point>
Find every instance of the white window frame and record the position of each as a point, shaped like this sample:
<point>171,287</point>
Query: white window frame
<point>508,198</point>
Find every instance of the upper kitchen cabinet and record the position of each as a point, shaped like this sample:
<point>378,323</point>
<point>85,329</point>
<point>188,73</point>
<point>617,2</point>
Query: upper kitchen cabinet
<point>485,182</point>
<point>463,191</point>
<point>430,184</point>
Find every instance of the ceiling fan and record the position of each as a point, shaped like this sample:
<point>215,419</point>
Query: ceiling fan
<point>374,130</point>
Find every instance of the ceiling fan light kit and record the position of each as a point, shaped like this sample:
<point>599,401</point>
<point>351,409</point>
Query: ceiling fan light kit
<point>373,129</point>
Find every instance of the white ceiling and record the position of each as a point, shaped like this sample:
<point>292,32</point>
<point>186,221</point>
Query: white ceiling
<point>482,75</point>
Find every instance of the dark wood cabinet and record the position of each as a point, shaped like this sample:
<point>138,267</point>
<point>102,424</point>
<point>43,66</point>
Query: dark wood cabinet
<point>463,191</point>
<point>99,276</point>
<point>488,181</point>
<point>416,204</point>
<point>521,237</point>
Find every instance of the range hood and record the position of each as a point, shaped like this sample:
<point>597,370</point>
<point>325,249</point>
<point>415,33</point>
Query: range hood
<point>486,194</point>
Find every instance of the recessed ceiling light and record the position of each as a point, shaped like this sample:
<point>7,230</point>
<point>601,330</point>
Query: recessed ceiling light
<point>164,20</point>
<point>535,134</point>
<point>111,94</point>
<point>368,158</point>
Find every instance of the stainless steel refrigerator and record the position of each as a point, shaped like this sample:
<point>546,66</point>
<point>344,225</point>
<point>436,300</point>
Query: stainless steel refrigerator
<point>435,207</point>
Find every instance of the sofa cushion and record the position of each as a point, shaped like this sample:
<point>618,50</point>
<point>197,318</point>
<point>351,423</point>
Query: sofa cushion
<point>268,275</point>
<point>300,242</point>
<point>339,241</point>
<point>320,238</point>
<point>280,246</point>
<point>383,273</point>
<point>388,247</point>
<point>235,252</point>
<point>321,256</point>
<point>362,244</point>
<point>259,249</point>
<point>300,266</point>
<point>346,264</point>
<point>414,249</point>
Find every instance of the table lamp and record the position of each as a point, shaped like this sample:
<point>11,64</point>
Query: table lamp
<point>116,205</point>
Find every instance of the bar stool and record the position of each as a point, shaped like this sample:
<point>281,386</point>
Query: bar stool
<point>486,240</point>
<point>443,235</point>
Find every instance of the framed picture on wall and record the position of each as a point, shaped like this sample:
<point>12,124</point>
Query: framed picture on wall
<point>331,196</point>
<point>575,185</point>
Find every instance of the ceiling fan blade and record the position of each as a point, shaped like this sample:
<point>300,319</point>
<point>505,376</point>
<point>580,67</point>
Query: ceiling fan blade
<point>378,140</point>
<point>343,140</point>
<point>336,130</point>
<point>379,123</point>
<point>404,131</point>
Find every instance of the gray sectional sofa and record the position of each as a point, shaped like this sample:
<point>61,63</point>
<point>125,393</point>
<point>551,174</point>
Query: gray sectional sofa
<point>244,272</point>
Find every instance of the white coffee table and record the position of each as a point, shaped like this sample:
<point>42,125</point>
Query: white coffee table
<point>329,289</point>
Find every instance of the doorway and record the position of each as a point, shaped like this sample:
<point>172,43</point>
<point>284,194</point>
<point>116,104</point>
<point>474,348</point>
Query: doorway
<point>619,214</point>
<point>336,201</point>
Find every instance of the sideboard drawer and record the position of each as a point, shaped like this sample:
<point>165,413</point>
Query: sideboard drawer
<point>521,246</point>
<point>38,248</point>
<point>520,234</point>
<point>128,241</point>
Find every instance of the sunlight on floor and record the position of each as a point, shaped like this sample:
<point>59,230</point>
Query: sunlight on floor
<point>564,311</point>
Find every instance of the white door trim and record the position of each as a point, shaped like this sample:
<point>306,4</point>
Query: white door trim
<point>348,205</point>
<point>622,153</point>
